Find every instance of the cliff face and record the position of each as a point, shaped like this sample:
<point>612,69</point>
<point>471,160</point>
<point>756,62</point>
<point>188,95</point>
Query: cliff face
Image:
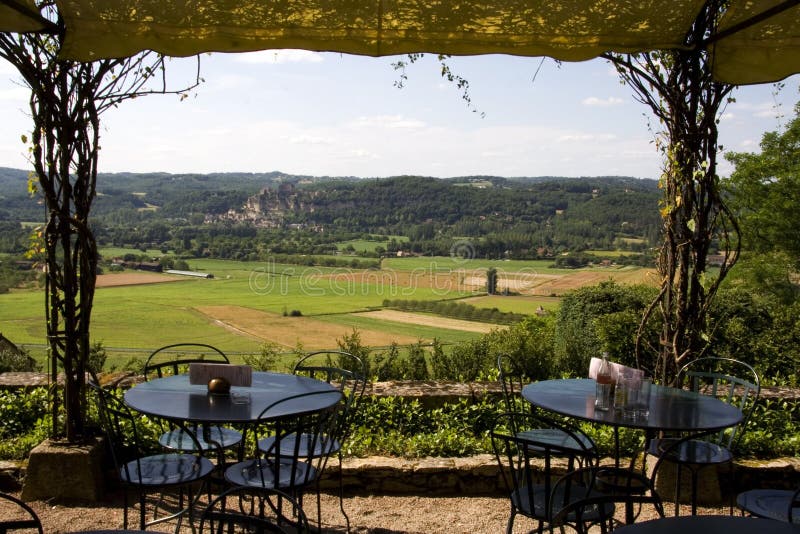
<point>268,208</point>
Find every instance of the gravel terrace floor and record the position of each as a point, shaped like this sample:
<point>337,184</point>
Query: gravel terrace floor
<point>369,514</point>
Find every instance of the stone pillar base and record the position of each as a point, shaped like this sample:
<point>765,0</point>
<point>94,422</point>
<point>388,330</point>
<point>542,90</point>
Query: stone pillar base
<point>708,484</point>
<point>60,471</point>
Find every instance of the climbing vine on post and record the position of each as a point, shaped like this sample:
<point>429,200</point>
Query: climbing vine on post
<point>678,88</point>
<point>66,101</point>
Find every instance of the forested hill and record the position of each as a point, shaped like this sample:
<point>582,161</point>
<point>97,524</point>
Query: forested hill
<point>506,213</point>
<point>465,201</point>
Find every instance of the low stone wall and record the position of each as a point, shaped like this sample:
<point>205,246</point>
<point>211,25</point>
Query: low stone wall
<point>476,475</point>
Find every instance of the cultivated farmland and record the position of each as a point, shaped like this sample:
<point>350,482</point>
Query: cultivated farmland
<point>247,304</point>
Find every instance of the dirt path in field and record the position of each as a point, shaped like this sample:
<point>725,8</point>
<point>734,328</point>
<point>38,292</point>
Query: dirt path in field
<point>288,331</point>
<point>537,284</point>
<point>134,278</point>
<point>431,320</point>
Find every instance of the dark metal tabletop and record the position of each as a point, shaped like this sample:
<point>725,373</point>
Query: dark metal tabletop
<point>670,408</point>
<point>710,524</point>
<point>174,398</point>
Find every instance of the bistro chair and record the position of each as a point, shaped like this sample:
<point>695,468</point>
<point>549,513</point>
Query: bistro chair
<point>291,468</point>
<point>596,494</point>
<point>513,379</point>
<point>244,509</point>
<point>19,515</point>
<point>729,380</point>
<point>349,374</point>
<point>781,505</point>
<point>172,360</point>
<point>526,460</point>
<point>138,469</point>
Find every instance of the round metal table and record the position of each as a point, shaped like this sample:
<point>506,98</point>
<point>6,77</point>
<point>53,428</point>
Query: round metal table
<point>174,398</point>
<point>671,409</point>
<point>710,524</point>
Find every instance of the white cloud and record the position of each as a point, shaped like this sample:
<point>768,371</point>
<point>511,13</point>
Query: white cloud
<point>7,69</point>
<point>280,56</point>
<point>727,116</point>
<point>309,140</point>
<point>582,138</point>
<point>600,102</point>
<point>15,93</point>
<point>361,153</point>
<point>768,113</point>
<point>388,121</point>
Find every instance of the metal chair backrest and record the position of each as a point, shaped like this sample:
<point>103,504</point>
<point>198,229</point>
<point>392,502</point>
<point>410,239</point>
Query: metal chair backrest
<point>341,369</point>
<point>245,510</point>
<point>732,381</point>
<point>28,519</point>
<point>512,379</point>
<point>316,429</point>
<point>175,359</point>
<point>521,454</point>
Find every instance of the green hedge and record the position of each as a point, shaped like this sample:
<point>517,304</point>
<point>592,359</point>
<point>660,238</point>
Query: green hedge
<point>395,426</point>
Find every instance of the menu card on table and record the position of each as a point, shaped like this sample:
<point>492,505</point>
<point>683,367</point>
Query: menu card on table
<point>236,375</point>
<point>617,369</point>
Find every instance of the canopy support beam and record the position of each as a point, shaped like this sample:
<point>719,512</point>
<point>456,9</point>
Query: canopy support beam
<point>752,21</point>
<point>25,11</point>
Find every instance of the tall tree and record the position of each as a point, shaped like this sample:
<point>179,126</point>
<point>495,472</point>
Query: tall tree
<point>765,192</point>
<point>67,99</point>
<point>679,89</point>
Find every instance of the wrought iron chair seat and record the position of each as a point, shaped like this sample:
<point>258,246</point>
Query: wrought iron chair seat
<point>28,520</point>
<point>576,442</point>
<point>165,469</point>
<point>309,446</point>
<point>781,505</point>
<point>564,496</point>
<point>690,452</point>
<point>512,379</point>
<point>143,472</point>
<point>210,438</point>
<point>263,473</point>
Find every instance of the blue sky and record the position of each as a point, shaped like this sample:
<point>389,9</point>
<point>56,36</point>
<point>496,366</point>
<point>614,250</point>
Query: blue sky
<point>330,114</point>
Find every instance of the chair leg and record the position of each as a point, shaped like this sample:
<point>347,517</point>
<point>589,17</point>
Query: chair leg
<point>341,494</point>
<point>142,510</point>
<point>125,509</point>
<point>677,489</point>
<point>510,524</point>
<point>694,490</point>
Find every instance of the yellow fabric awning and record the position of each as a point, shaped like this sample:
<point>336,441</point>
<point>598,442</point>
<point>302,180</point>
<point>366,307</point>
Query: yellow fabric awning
<point>570,30</point>
<point>565,29</point>
<point>766,52</point>
<point>22,19</point>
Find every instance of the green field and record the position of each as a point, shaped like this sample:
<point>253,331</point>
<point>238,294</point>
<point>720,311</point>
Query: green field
<point>447,263</point>
<point>118,252</point>
<point>364,245</point>
<point>247,303</point>
<point>515,304</point>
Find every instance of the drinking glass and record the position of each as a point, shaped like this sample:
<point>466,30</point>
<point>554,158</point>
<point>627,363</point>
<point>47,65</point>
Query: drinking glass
<point>602,395</point>
<point>642,407</point>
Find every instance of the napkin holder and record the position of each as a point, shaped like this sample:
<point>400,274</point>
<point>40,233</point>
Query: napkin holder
<point>220,376</point>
